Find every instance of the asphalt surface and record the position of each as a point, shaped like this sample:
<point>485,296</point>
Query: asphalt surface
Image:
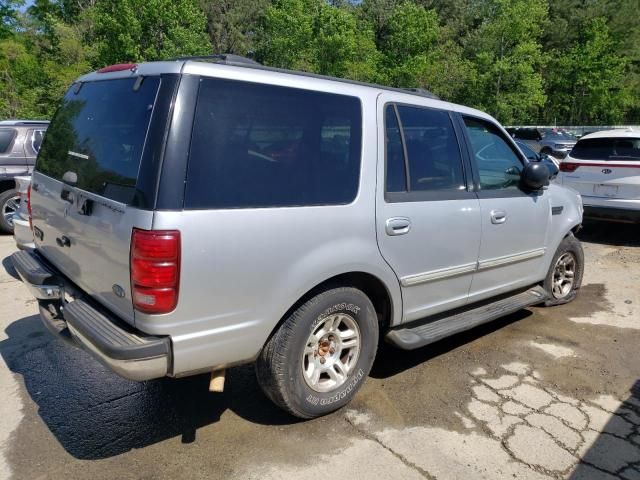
<point>543,393</point>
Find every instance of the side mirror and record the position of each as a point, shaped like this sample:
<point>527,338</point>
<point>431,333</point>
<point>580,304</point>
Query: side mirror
<point>535,176</point>
<point>551,165</point>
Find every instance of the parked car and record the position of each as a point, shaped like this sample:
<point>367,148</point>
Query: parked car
<point>552,142</point>
<point>605,168</point>
<point>19,144</point>
<point>557,144</point>
<point>22,233</point>
<point>234,213</point>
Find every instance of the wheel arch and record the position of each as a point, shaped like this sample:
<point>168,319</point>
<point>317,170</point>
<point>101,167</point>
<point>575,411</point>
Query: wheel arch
<point>371,285</point>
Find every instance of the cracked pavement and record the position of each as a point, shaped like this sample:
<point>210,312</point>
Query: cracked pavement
<point>542,394</point>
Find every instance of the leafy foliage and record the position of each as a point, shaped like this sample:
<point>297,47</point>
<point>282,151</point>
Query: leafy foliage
<point>524,61</point>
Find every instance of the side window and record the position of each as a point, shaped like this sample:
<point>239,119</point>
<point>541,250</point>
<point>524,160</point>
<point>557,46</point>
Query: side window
<point>396,175</point>
<point>6,139</point>
<point>499,166</point>
<point>432,148</point>
<point>36,140</point>
<point>256,146</point>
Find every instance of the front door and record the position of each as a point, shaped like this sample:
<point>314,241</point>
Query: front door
<point>428,217</point>
<point>514,223</point>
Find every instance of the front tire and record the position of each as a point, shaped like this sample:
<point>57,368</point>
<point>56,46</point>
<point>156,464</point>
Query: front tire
<point>564,277</point>
<point>9,204</point>
<point>319,357</point>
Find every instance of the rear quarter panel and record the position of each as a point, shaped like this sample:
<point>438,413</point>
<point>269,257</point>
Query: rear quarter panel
<point>242,269</point>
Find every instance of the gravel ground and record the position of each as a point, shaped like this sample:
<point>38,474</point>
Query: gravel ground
<point>543,393</point>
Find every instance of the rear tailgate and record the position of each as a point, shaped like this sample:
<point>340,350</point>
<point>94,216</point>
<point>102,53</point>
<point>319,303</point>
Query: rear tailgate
<point>604,168</point>
<point>85,182</point>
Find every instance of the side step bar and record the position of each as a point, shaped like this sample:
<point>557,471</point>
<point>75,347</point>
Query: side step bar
<point>409,338</point>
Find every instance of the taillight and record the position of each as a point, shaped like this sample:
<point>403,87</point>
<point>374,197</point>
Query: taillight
<point>29,207</point>
<point>568,167</point>
<point>155,270</point>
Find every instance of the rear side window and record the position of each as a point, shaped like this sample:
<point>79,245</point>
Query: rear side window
<point>607,149</point>
<point>36,140</point>
<point>434,156</point>
<point>422,140</point>
<point>257,145</point>
<point>6,139</point>
<point>99,134</point>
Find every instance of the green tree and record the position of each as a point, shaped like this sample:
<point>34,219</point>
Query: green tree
<point>416,56</point>
<point>508,57</point>
<point>313,36</point>
<point>233,24</point>
<point>9,16</point>
<point>143,30</point>
<point>587,84</point>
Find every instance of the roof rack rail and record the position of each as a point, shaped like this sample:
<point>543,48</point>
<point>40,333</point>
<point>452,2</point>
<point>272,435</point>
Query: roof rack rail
<point>223,58</point>
<point>423,92</point>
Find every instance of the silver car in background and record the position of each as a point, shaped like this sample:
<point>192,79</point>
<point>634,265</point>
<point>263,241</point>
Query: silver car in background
<point>233,213</point>
<point>21,222</point>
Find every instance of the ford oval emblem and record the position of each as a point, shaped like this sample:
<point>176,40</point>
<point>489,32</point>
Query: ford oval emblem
<point>606,171</point>
<point>118,290</point>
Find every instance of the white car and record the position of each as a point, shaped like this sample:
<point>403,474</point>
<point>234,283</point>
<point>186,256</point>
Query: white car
<point>604,167</point>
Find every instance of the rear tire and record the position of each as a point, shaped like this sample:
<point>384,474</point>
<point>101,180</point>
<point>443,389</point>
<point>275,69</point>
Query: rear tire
<point>319,357</point>
<point>564,277</point>
<point>9,203</point>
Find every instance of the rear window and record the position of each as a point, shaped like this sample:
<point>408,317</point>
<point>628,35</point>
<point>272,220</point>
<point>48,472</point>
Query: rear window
<point>258,145</point>
<point>6,139</point>
<point>607,149</point>
<point>98,134</point>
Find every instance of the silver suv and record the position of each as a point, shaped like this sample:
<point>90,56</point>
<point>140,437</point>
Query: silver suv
<point>195,215</point>
<point>20,141</point>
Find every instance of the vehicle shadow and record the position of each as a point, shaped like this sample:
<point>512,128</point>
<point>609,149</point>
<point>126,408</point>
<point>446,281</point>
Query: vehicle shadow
<point>391,361</point>
<point>610,233</point>
<point>95,414</point>
<point>617,449</point>
<point>8,267</point>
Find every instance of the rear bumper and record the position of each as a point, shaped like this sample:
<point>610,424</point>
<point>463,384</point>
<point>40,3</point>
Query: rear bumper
<point>127,352</point>
<point>615,214</point>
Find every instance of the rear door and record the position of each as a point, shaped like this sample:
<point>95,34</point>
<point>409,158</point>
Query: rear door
<point>428,217</point>
<point>604,168</point>
<point>514,223</point>
<point>86,183</point>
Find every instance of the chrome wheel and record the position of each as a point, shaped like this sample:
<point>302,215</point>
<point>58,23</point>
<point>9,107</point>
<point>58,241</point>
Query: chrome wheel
<point>564,274</point>
<point>10,208</point>
<point>331,352</point>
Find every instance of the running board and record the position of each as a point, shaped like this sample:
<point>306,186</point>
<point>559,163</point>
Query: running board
<point>421,335</point>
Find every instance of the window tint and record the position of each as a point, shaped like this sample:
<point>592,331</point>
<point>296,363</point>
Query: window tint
<point>264,146</point>
<point>6,139</point>
<point>528,152</point>
<point>99,135</point>
<point>498,164</point>
<point>619,149</point>
<point>396,173</point>
<point>432,148</point>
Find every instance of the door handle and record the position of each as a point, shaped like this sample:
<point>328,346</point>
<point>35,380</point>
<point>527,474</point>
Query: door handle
<point>398,226</point>
<point>498,216</point>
